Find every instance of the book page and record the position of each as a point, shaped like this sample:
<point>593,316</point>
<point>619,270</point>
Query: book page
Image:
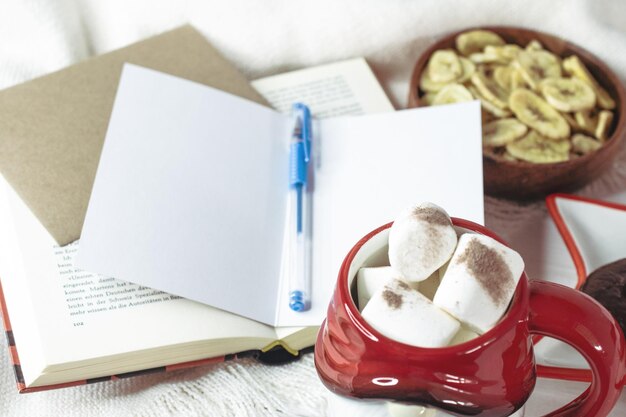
<point>24,324</point>
<point>88,294</point>
<point>342,88</point>
<point>80,316</point>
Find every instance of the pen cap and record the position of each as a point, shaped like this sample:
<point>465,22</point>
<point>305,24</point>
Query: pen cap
<point>303,116</point>
<point>300,148</point>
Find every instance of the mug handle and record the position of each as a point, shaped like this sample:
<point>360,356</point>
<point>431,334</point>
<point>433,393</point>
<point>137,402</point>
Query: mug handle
<point>578,320</point>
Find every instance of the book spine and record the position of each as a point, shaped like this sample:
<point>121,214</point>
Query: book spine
<point>13,356</point>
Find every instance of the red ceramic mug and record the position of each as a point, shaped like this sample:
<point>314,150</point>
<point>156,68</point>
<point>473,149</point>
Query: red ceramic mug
<point>490,376</point>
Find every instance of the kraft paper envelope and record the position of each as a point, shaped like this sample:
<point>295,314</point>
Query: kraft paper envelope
<point>52,128</point>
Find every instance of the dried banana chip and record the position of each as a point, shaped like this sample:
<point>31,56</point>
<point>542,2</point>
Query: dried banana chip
<point>499,153</point>
<point>452,93</point>
<point>508,157</point>
<point>587,120</point>
<point>518,81</point>
<point>583,144</point>
<point>533,111</point>
<point>538,65</point>
<point>568,94</point>
<point>502,75</point>
<point>489,88</point>
<point>504,53</point>
<point>534,45</point>
<point>503,131</point>
<point>428,85</point>
<point>485,58</point>
<point>444,66</point>
<point>605,118</point>
<point>537,149</point>
<point>494,152</point>
<point>476,40</point>
<point>493,109</point>
<point>487,105</point>
<point>468,70</point>
<point>480,58</point>
<point>571,121</point>
<point>574,66</point>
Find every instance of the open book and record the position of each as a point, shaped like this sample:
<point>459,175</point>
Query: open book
<point>69,327</point>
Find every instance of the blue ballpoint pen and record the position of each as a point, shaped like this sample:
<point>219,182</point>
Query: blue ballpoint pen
<point>300,211</point>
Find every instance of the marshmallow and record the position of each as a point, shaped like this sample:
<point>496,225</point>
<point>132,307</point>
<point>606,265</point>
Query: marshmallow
<point>403,314</point>
<point>421,240</point>
<point>463,335</point>
<point>479,282</point>
<point>368,280</point>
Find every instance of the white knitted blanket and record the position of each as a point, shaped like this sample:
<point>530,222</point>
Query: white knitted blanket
<point>262,38</point>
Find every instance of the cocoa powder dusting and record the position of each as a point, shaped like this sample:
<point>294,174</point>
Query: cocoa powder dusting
<point>432,247</point>
<point>489,269</point>
<point>435,219</point>
<point>403,285</point>
<point>432,215</point>
<point>393,299</point>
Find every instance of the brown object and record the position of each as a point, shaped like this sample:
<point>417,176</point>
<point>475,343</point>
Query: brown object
<point>393,299</point>
<point>432,216</point>
<point>523,180</point>
<point>52,128</point>
<point>607,285</point>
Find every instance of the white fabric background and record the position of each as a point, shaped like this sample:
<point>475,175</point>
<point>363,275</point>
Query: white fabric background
<point>262,38</point>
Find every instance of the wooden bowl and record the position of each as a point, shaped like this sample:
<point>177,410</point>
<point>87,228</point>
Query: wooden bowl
<point>524,180</point>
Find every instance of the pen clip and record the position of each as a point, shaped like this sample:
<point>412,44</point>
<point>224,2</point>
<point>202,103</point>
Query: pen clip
<point>302,111</point>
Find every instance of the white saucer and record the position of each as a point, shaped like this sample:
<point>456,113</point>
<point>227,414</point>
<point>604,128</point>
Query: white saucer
<point>594,232</point>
